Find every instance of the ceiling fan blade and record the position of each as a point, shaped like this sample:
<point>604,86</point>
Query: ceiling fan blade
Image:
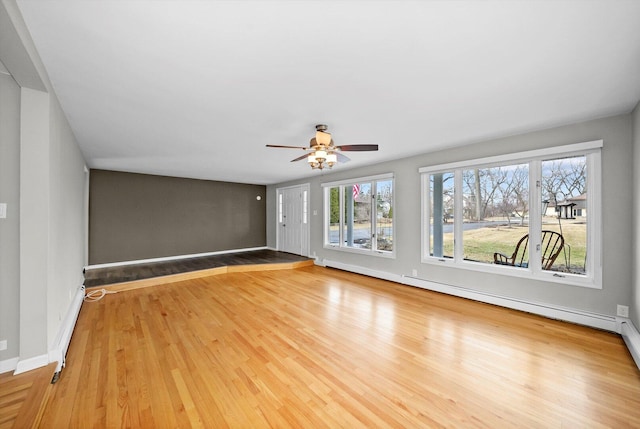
<point>287,147</point>
<point>342,158</point>
<point>358,147</point>
<point>300,158</point>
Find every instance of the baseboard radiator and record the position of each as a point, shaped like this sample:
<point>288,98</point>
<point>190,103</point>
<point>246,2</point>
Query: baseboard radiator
<point>58,352</point>
<point>631,338</point>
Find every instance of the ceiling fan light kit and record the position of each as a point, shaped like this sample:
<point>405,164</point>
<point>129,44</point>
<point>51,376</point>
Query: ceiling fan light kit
<point>324,154</point>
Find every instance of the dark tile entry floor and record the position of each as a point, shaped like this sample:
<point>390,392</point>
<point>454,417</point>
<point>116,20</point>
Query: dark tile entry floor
<point>126,273</point>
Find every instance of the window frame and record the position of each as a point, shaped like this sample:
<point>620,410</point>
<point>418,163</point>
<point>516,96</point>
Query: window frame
<point>592,150</point>
<point>341,184</point>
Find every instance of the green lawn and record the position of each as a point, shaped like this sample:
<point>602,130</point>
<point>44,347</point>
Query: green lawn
<point>481,243</point>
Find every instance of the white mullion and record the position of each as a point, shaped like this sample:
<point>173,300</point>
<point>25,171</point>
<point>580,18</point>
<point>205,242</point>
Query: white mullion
<point>535,216</point>
<point>594,235</point>
<point>327,216</point>
<point>458,221</point>
<point>374,216</point>
<point>426,215</point>
<point>341,208</point>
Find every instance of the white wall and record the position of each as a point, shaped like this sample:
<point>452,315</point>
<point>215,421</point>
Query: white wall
<point>52,198</point>
<point>617,215</point>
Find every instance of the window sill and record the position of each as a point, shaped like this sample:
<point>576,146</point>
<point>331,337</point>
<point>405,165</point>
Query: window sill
<point>377,253</point>
<point>526,273</point>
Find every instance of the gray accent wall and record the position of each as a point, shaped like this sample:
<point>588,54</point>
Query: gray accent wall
<point>618,217</point>
<point>140,216</point>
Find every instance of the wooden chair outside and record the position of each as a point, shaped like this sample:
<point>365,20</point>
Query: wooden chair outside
<point>550,247</point>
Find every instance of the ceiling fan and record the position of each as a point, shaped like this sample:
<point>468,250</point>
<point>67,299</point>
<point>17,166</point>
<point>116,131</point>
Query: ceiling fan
<point>322,153</point>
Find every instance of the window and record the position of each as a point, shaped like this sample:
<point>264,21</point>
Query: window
<point>359,215</point>
<point>441,207</point>
<point>495,203</point>
<point>529,214</point>
<point>305,206</point>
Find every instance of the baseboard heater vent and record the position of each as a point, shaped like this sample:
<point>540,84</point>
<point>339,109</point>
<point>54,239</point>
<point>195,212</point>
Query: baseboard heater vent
<point>631,337</point>
<point>59,351</point>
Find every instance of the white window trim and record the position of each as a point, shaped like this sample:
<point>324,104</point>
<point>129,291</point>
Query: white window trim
<point>591,149</point>
<point>515,157</point>
<point>340,184</point>
<point>356,180</point>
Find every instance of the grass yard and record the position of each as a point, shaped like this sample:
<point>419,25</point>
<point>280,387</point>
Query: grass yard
<point>481,243</point>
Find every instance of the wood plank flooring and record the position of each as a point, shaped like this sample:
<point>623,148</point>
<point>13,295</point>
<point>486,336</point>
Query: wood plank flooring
<point>320,348</point>
<point>22,397</point>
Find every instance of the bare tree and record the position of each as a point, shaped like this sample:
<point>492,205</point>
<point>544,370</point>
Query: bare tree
<point>564,178</point>
<point>520,188</point>
<point>482,186</point>
<point>513,193</point>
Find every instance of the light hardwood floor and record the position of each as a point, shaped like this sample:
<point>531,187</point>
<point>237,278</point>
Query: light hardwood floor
<point>315,347</point>
<point>22,397</point>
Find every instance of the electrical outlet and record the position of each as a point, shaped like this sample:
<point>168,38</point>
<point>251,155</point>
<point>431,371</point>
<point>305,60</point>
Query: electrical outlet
<point>3,210</point>
<point>414,273</point>
<point>3,345</point>
<point>623,311</point>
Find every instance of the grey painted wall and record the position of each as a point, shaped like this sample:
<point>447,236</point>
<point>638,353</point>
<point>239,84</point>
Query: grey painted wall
<point>68,212</point>
<point>617,215</point>
<point>49,175</point>
<point>9,227</point>
<point>635,302</point>
<point>139,216</point>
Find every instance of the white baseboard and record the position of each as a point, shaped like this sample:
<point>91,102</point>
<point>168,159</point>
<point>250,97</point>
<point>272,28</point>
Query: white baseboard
<point>631,338</point>
<point>171,258</point>
<point>25,365</point>
<point>58,351</point>
<point>595,320</point>
<point>8,365</point>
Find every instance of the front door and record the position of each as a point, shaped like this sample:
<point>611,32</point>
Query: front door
<point>293,220</point>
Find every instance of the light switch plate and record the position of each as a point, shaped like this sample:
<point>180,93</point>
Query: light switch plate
<point>3,210</point>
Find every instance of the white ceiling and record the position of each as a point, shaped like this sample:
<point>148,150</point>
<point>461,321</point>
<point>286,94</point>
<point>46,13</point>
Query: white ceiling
<point>197,88</point>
